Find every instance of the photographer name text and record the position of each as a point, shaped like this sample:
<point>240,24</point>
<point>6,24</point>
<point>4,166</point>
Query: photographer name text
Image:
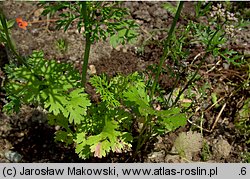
<point>69,171</point>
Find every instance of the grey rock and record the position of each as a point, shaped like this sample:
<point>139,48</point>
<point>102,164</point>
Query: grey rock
<point>221,149</point>
<point>247,53</point>
<point>226,66</point>
<point>13,156</point>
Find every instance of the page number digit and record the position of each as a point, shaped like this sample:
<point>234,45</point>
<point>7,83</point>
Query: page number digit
<point>243,171</point>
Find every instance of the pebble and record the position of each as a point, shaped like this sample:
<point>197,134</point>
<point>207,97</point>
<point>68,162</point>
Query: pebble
<point>38,12</point>
<point>247,53</point>
<point>74,59</point>
<point>222,149</point>
<point>92,69</point>
<point>57,127</point>
<point>226,66</point>
<point>159,154</point>
<point>34,32</point>
<point>13,156</point>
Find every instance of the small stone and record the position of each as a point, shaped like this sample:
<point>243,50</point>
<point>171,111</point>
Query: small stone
<point>38,12</point>
<point>247,53</point>
<point>92,69</point>
<point>21,134</point>
<point>57,128</point>
<point>34,32</point>
<point>226,66</point>
<point>140,22</point>
<point>13,156</point>
<point>159,154</point>
<point>74,59</point>
<point>221,149</point>
<point>124,50</point>
<point>118,47</point>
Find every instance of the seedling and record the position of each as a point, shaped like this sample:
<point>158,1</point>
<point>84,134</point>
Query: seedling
<point>62,45</point>
<point>205,152</point>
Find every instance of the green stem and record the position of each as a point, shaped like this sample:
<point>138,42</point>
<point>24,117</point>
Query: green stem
<point>87,43</point>
<point>145,134</point>
<point>141,137</point>
<point>9,43</point>
<point>166,47</point>
<point>177,80</point>
<point>11,47</point>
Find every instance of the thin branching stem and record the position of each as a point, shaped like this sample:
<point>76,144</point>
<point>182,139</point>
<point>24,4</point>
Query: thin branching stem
<point>87,43</point>
<point>21,60</point>
<point>166,47</point>
<point>199,66</point>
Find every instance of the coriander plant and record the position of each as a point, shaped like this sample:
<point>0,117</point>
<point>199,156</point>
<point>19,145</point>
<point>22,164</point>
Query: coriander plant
<point>123,119</point>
